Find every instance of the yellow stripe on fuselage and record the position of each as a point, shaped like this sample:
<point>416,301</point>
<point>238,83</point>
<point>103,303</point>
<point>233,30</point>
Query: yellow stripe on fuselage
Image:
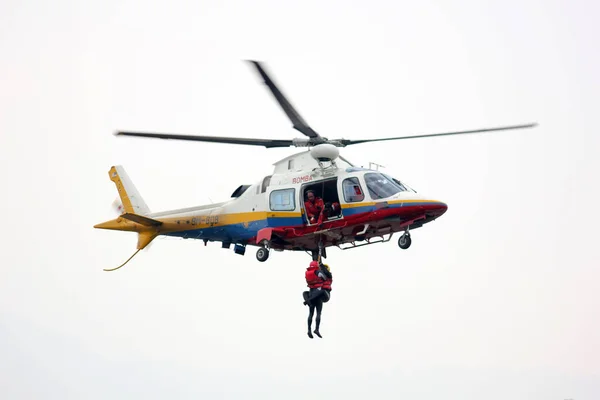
<point>361,204</point>
<point>184,223</point>
<point>413,201</point>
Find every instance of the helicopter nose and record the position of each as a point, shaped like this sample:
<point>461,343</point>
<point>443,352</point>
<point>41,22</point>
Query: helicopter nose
<point>438,208</point>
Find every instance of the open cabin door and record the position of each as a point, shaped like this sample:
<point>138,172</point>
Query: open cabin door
<point>326,201</point>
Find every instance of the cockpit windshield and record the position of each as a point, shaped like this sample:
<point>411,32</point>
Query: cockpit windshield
<point>403,186</point>
<point>381,186</point>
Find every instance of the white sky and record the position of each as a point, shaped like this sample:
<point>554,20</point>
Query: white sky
<point>497,299</point>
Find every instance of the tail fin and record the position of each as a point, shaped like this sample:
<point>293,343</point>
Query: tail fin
<point>133,210</point>
<point>130,197</point>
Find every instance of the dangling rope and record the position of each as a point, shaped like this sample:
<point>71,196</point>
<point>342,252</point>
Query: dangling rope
<point>320,251</point>
<point>114,269</point>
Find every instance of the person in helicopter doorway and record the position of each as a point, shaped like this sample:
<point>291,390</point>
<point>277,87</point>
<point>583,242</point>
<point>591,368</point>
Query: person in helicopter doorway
<point>318,279</point>
<point>314,207</point>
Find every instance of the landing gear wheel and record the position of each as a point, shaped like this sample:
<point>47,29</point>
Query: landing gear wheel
<point>404,241</point>
<point>262,254</point>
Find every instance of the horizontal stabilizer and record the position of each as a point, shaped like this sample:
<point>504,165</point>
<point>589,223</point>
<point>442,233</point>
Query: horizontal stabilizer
<point>141,220</point>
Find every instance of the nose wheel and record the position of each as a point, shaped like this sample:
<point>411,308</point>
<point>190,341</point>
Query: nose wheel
<point>262,254</point>
<point>404,241</point>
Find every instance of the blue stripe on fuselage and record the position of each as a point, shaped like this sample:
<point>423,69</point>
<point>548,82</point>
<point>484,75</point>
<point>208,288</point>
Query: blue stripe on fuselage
<point>357,210</point>
<point>237,232</point>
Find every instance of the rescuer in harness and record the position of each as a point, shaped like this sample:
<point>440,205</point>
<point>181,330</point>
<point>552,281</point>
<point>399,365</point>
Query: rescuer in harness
<point>327,284</point>
<point>319,279</point>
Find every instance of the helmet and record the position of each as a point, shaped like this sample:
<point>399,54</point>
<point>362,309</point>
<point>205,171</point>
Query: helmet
<point>327,266</point>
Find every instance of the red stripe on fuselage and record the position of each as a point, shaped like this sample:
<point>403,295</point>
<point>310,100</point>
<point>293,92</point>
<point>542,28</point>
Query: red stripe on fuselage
<point>381,222</point>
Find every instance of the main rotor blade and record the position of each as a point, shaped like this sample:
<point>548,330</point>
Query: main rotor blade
<point>297,121</point>
<point>268,143</point>
<point>347,142</point>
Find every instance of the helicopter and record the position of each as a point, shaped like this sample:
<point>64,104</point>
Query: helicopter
<point>357,206</point>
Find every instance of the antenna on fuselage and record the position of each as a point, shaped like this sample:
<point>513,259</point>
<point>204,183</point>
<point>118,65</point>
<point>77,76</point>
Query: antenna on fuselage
<point>377,165</point>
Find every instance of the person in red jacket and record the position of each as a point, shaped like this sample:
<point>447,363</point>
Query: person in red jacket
<point>328,281</point>
<point>319,283</point>
<point>331,210</point>
<point>314,207</point>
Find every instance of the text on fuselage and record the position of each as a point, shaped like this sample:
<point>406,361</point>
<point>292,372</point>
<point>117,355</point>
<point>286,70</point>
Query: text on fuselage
<point>301,179</point>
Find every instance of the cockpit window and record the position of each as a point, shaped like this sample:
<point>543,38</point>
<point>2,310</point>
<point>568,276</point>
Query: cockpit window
<point>403,186</point>
<point>381,186</point>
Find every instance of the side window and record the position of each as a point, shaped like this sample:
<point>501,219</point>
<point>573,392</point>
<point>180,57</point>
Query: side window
<point>265,183</point>
<point>352,190</point>
<point>282,200</point>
